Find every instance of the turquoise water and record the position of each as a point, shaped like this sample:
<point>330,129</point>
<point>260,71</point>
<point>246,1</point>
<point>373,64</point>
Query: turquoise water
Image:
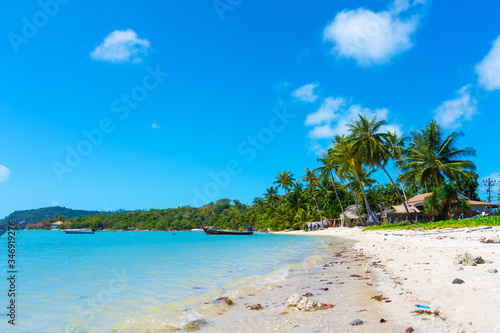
<point>115,280</point>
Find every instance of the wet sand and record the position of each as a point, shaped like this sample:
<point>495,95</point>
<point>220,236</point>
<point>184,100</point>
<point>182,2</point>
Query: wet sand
<point>406,267</point>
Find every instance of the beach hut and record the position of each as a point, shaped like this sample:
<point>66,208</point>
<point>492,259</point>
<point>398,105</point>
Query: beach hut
<point>477,206</point>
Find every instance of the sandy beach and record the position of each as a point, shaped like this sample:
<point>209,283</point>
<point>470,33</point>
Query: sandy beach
<point>404,267</point>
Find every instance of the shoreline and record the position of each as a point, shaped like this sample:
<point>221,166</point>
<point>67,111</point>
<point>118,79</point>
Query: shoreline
<point>407,267</point>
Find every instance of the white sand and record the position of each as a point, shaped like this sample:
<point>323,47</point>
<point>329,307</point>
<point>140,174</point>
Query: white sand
<point>416,267</point>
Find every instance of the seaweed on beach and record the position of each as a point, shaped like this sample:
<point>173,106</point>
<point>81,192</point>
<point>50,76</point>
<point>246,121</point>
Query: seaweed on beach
<point>379,298</point>
<point>436,313</point>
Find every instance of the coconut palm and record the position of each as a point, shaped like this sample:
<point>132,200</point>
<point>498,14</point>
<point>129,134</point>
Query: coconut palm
<point>328,167</point>
<point>350,164</point>
<point>369,143</point>
<point>271,194</point>
<point>432,158</point>
<point>285,180</point>
<point>310,177</point>
<point>396,146</point>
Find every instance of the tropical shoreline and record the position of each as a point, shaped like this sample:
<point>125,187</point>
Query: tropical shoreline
<point>407,267</point>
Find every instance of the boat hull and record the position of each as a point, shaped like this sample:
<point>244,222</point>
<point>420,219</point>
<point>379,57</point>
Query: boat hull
<point>223,232</point>
<point>79,232</point>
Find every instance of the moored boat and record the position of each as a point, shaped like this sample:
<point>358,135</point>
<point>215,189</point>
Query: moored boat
<point>79,231</point>
<point>212,231</point>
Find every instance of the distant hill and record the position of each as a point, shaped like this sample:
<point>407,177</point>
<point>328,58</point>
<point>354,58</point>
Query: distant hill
<point>40,214</point>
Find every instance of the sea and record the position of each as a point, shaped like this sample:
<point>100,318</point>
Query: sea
<point>135,281</point>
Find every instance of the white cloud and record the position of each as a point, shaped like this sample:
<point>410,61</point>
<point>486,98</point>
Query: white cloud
<point>155,126</point>
<point>4,173</point>
<point>371,38</point>
<point>55,203</point>
<point>306,93</point>
<point>452,113</point>
<point>399,6</point>
<point>326,112</point>
<point>335,113</point>
<point>121,46</point>
<point>488,69</point>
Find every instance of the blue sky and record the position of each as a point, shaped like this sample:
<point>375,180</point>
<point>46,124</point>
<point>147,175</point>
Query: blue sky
<point>153,105</point>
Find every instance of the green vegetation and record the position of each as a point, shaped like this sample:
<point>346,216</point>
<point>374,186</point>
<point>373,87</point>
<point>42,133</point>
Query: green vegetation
<point>343,178</point>
<point>225,216</point>
<point>465,223</point>
<point>40,214</point>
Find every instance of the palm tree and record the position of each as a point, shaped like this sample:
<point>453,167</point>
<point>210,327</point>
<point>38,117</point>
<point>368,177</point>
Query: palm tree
<point>432,157</point>
<point>285,180</point>
<point>396,146</point>
<point>310,176</point>
<point>349,165</point>
<point>341,155</point>
<point>271,194</point>
<point>368,142</point>
<point>328,166</point>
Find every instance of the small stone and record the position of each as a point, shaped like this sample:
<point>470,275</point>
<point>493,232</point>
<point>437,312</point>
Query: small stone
<point>479,261</point>
<point>464,259</point>
<point>492,271</point>
<point>409,330</point>
<point>194,325</point>
<point>356,322</point>
<point>383,320</point>
<point>458,281</point>
<point>256,307</point>
<point>226,300</point>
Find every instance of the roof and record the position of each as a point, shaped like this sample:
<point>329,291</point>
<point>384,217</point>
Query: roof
<point>350,212</point>
<point>418,200</point>
<point>402,209</point>
<point>480,203</point>
<point>39,224</point>
<point>57,223</point>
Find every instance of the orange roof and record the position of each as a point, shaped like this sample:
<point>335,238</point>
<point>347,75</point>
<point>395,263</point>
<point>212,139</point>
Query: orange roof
<point>419,199</point>
<point>57,223</point>
<point>472,202</point>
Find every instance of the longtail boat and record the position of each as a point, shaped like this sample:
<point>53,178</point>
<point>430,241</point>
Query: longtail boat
<point>212,231</point>
<point>79,231</point>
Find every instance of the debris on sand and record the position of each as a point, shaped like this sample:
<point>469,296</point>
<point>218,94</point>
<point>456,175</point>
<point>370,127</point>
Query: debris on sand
<point>379,298</point>
<point>409,330</point>
<point>356,322</point>
<point>301,303</point>
<point>468,260</point>
<point>226,300</point>
<point>426,312</point>
<point>194,325</point>
<point>458,281</point>
<point>256,307</point>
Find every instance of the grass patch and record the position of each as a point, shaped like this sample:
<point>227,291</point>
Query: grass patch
<point>465,223</point>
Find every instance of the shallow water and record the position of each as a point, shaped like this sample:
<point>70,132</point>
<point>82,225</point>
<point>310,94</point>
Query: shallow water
<point>117,280</point>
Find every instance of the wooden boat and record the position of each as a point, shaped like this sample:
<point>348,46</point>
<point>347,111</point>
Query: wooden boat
<point>212,231</point>
<point>80,231</point>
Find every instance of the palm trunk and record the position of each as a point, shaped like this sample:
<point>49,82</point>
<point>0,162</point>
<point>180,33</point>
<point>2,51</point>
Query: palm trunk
<point>316,202</point>
<point>336,194</point>
<point>364,196</point>
<point>436,179</point>
<point>402,186</point>
<point>395,186</point>
<point>355,201</point>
